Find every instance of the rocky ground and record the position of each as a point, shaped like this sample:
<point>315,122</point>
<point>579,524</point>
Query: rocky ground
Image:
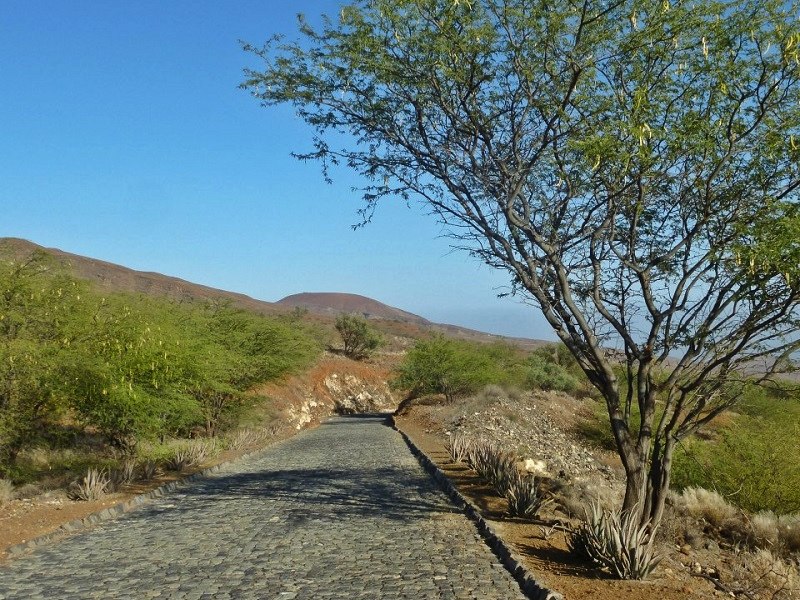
<point>540,428</point>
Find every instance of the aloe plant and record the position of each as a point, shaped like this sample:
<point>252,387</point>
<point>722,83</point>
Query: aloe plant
<point>614,541</point>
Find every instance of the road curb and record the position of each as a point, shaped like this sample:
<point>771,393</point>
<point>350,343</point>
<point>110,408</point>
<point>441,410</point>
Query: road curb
<point>117,510</point>
<point>526,580</point>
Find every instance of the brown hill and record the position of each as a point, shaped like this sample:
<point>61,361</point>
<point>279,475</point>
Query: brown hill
<point>334,303</point>
<point>115,278</point>
<point>324,305</point>
<point>395,320</point>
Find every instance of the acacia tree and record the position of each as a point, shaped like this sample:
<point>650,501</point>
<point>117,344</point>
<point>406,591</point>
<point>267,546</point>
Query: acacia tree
<point>633,164</point>
<point>358,338</point>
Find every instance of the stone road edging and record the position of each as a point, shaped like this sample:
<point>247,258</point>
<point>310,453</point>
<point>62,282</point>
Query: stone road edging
<point>527,582</point>
<point>117,510</point>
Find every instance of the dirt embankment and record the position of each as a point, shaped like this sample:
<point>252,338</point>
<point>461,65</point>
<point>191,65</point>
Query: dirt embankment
<point>335,385</point>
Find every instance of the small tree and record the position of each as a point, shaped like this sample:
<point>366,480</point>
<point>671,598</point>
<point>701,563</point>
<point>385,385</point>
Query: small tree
<point>634,165</point>
<point>359,339</point>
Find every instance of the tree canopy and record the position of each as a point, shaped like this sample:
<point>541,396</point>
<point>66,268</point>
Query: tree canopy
<point>632,164</point>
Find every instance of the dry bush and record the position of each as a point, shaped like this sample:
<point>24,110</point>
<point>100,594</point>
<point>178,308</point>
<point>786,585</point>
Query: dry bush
<point>708,505</point>
<point>490,392</point>
<point>93,486</point>
<point>675,528</point>
<point>571,501</point>
<point>760,575</point>
<point>514,393</point>
<point>6,491</point>
<point>573,497</point>
<point>764,526</point>
<point>789,532</point>
<point>28,490</point>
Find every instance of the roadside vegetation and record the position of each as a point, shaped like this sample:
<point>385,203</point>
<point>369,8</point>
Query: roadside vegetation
<point>457,368</point>
<point>90,381</point>
<point>749,456</point>
<point>630,166</point>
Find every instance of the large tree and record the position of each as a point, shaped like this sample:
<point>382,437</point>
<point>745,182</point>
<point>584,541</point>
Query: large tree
<point>633,164</point>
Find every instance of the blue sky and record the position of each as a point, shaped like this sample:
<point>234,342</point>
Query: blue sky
<point>123,137</point>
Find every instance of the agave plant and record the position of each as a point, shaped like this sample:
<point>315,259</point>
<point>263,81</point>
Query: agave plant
<point>191,454</point>
<point>458,446</point>
<point>243,438</point>
<point>93,486</point>
<point>124,474</point>
<point>149,469</point>
<point>524,497</point>
<point>616,542</point>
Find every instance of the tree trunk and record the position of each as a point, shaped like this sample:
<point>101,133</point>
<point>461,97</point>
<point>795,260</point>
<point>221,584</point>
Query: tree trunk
<point>658,485</point>
<point>647,484</point>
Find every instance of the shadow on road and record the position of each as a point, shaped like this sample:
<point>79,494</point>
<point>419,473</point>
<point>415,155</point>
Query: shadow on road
<point>322,492</point>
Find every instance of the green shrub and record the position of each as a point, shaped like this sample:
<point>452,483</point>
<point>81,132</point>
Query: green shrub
<point>128,366</point>
<point>753,464</point>
<point>359,339</point>
<point>549,376</point>
<point>441,365</point>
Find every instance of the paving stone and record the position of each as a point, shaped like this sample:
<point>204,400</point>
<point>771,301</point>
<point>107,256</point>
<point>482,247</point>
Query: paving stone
<point>343,511</point>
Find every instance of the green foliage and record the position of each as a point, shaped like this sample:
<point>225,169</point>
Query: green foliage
<point>550,377</point>
<point>359,339</point>
<point>35,313</point>
<point>440,365</point>
<point>128,367</point>
<point>451,367</point>
<point>753,462</point>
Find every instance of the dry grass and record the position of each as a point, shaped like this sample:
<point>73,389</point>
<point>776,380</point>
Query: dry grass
<point>707,505</point>
<point>6,491</point>
<point>780,534</point>
<point>764,526</point>
<point>760,575</point>
<point>789,532</point>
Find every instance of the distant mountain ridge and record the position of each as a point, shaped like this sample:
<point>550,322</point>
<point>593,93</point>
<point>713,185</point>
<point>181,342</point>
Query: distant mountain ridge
<point>116,278</point>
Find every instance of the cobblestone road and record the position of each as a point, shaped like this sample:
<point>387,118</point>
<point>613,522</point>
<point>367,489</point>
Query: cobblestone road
<point>343,511</point>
